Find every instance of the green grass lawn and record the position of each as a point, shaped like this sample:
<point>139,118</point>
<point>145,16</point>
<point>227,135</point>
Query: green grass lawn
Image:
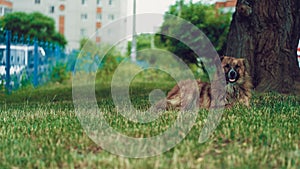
<point>39,129</point>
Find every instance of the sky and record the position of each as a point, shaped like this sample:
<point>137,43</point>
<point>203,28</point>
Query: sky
<point>157,6</point>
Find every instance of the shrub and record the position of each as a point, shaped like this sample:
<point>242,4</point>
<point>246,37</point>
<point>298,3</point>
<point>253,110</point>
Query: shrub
<point>59,73</point>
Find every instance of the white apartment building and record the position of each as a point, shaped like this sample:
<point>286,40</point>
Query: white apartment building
<point>5,7</point>
<point>77,19</point>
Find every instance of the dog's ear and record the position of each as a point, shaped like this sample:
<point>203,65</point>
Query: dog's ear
<point>221,58</point>
<point>245,63</point>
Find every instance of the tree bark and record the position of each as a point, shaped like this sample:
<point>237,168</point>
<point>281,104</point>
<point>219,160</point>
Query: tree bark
<point>266,33</point>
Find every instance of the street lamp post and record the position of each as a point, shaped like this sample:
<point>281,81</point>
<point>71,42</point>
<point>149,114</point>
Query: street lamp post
<point>133,44</point>
<point>179,7</point>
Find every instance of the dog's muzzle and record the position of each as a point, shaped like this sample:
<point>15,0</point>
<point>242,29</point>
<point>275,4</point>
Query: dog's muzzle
<point>232,75</point>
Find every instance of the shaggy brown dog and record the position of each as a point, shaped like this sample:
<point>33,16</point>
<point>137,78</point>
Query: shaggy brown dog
<point>238,88</point>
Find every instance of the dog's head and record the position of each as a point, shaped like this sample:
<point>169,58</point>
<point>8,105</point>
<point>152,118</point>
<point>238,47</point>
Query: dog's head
<point>235,69</point>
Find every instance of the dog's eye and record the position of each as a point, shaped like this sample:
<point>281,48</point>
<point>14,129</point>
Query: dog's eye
<point>226,66</point>
<point>237,66</point>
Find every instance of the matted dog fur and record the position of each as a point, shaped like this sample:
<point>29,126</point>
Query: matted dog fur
<point>238,88</point>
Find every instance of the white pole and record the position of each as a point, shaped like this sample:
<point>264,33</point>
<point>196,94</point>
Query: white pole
<point>133,44</point>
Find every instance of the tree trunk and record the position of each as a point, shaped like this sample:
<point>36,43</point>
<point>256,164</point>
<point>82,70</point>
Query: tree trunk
<point>266,33</point>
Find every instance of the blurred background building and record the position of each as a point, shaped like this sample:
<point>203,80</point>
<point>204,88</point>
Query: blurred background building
<point>5,7</point>
<point>78,19</point>
<point>225,6</point>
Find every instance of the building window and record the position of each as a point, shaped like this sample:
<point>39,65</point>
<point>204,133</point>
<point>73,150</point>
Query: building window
<point>1,11</point>
<point>84,16</point>
<point>98,25</point>
<point>99,2</point>
<point>51,9</point>
<point>37,1</point>
<point>99,10</point>
<point>7,10</point>
<point>4,11</point>
<point>99,17</point>
<point>83,32</point>
<point>61,25</point>
<point>110,2</point>
<point>83,2</point>
<point>62,7</point>
<point>111,17</point>
<point>98,39</point>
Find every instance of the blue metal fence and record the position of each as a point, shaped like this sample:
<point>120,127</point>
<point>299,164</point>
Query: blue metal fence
<point>27,59</point>
<point>7,65</point>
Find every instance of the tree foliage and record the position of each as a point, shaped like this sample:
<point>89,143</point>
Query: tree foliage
<point>203,17</point>
<point>33,25</point>
<point>143,41</point>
